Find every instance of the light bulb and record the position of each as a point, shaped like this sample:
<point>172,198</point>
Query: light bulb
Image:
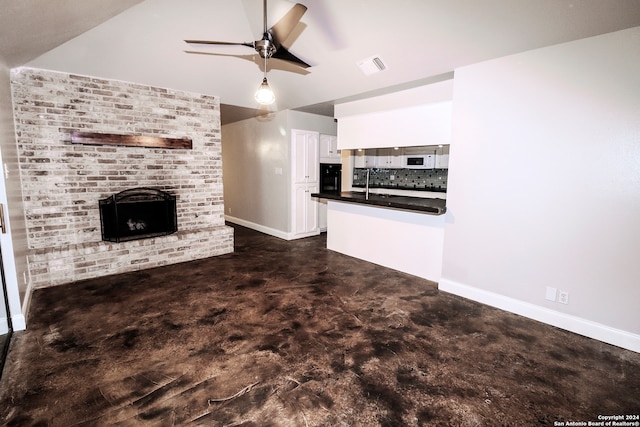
<point>265,95</point>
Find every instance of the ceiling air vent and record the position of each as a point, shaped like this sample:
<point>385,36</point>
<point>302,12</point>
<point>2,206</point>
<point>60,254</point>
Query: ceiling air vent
<point>372,65</point>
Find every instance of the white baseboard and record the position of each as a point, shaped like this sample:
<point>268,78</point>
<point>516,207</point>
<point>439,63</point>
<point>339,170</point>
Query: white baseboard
<point>267,230</point>
<point>18,323</point>
<point>258,227</point>
<point>560,320</point>
<point>303,235</point>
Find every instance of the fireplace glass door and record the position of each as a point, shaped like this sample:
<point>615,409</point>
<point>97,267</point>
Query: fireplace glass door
<point>138,213</point>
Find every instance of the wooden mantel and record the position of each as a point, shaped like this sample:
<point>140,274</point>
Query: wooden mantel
<point>94,138</point>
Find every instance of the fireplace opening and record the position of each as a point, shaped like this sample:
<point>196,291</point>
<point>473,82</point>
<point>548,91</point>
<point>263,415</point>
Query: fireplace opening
<point>138,213</point>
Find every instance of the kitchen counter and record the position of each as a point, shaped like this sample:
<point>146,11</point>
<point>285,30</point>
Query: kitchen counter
<point>416,204</point>
<point>389,230</point>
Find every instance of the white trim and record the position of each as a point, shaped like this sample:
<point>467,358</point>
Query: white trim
<point>258,227</point>
<point>268,230</point>
<point>18,322</point>
<point>578,325</point>
<point>316,232</point>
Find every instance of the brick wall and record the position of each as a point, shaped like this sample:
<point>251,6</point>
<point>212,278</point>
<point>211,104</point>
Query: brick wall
<point>62,182</point>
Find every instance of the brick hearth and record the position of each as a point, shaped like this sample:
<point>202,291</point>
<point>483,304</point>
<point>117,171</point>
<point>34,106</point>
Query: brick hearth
<point>62,182</point>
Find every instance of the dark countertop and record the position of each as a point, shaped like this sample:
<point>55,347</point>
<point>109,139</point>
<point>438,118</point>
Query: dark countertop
<point>417,204</point>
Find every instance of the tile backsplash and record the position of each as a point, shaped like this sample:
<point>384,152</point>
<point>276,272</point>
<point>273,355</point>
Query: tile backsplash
<point>402,179</point>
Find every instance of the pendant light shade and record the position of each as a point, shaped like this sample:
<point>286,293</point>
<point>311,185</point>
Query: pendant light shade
<point>264,94</point>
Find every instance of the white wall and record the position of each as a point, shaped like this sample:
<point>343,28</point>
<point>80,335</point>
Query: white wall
<point>428,94</point>
<point>428,124</point>
<point>418,116</point>
<point>544,185</point>
<point>14,243</point>
<point>253,151</point>
<point>314,122</point>
<point>256,164</point>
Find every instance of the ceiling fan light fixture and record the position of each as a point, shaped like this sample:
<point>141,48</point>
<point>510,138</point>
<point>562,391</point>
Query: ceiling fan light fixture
<point>264,94</point>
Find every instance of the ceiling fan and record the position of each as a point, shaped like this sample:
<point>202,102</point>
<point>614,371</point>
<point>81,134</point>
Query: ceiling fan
<point>270,45</point>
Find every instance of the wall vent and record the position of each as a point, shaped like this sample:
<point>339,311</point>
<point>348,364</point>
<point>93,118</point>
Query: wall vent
<point>372,65</point>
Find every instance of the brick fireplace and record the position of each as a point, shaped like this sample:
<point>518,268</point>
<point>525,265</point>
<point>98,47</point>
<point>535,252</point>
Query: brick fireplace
<point>63,182</point>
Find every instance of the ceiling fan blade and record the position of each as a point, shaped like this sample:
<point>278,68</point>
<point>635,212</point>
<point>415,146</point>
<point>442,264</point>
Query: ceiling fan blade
<point>283,54</point>
<point>219,47</point>
<point>219,43</point>
<point>255,58</point>
<point>281,29</point>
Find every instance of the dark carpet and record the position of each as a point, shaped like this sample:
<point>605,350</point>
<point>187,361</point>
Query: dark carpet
<point>290,334</point>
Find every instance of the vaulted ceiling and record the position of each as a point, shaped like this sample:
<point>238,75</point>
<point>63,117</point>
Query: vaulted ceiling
<point>420,41</point>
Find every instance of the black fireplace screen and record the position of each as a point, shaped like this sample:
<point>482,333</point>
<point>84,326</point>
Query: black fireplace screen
<point>138,213</point>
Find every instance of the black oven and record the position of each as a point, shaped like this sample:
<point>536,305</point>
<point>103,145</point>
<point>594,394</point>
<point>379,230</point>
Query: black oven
<point>330,177</point>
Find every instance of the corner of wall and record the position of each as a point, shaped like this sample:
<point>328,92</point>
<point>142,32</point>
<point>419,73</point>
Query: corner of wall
<point>15,241</point>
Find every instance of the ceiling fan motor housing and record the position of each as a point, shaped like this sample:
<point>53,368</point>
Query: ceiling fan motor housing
<point>265,47</point>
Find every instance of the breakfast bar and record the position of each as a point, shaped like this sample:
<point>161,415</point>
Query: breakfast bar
<point>433,206</point>
<point>399,232</point>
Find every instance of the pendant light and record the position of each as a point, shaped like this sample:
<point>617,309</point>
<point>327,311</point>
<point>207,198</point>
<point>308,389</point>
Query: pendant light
<point>264,95</point>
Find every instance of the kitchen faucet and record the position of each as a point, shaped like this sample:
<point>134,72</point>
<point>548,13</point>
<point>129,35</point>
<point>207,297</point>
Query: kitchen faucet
<point>366,192</point>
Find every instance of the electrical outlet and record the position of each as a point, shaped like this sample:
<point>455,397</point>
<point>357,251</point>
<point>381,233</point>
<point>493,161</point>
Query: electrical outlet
<point>563,297</point>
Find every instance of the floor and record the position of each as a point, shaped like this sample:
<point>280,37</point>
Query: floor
<point>290,334</point>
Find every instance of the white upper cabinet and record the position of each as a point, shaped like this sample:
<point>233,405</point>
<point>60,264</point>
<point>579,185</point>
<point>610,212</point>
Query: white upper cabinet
<point>389,158</point>
<point>329,152</point>
<point>442,157</point>
<point>365,159</point>
<point>359,159</point>
<point>395,158</point>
